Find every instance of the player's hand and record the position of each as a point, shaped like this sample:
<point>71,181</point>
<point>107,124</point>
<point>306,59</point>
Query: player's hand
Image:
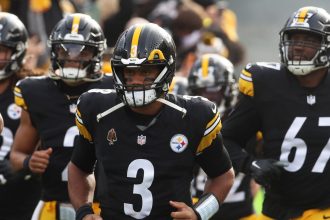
<point>39,160</point>
<point>266,171</point>
<point>6,171</point>
<point>183,211</point>
<point>92,217</point>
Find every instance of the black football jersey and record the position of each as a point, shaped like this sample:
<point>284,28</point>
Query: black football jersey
<point>295,123</point>
<point>52,106</point>
<point>147,160</point>
<point>20,192</point>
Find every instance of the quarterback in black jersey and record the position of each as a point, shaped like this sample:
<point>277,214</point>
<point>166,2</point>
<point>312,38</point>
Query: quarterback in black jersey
<point>212,76</point>
<point>49,105</point>
<point>147,141</point>
<point>19,192</point>
<point>289,103</point>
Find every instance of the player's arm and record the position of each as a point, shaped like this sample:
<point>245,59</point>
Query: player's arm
<point>81,180</point>
<point>23,154</point>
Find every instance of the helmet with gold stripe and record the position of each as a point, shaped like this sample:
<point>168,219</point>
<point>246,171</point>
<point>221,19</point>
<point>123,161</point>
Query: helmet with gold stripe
<point>143,45</point>
<point>311,21</point>
<point>77,44</point>
<point>212,76</point>
<point>13,42</point>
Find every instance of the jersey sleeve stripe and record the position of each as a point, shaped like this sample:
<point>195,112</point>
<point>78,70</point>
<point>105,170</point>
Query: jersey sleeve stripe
<point>19,100</point>
<point>82,129</point>
<point>246,84</point>
<point>213,128</point>
<point>212,124</point>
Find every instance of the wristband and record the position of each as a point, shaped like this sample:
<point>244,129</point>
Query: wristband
<point>26,162</point>
<point>206,207</point>
<point>84,210</point>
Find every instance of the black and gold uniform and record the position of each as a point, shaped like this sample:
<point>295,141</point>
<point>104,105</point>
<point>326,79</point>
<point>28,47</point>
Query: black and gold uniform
<point>52,105</point>
<point>295,123</point>
<point>147,160</point>
<point>19,192</point>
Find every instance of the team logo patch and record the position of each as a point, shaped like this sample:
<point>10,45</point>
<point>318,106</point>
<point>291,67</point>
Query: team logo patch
<point>179,143</point>
<point>112,136</point>
<point>14,111</point>
<point>141,140</point>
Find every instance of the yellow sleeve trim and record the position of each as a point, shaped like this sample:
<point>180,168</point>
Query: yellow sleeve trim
<point>246,84</point>
<point>19,100</point>
<point>82,129</point>
<point>212,129</point>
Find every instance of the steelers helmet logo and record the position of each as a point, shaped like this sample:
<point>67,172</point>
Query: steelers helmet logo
<point>179,143</point>
<point>14,111</point>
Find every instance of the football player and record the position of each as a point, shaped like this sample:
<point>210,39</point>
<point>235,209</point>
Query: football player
<point>212,76</point>
<point>19,192</point>
<point>147,140</point>
<point>49,105</point>
<point>289,103</point>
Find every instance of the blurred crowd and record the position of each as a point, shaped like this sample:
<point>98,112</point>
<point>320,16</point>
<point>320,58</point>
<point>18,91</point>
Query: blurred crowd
<point>197,26</point>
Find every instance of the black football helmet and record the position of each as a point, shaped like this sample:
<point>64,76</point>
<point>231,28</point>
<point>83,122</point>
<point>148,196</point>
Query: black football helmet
<point>212,76</point>
<point>140,45</point>
<point>75,35</point>
<point>311,20</point>
<point>13,35</point>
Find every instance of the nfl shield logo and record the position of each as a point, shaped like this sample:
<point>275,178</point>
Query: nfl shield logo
<point>311,100</point>
<point>141,140</point>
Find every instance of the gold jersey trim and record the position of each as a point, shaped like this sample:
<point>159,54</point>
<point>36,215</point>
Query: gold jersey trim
<point>246,84</point>
<point>82,129</point>
<point>212,129</point>
<point>19,100</point>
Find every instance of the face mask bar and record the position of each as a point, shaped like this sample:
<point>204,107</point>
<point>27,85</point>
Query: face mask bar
<point>298,61</point>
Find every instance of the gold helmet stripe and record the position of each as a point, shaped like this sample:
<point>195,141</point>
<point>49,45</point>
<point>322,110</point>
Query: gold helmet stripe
<point>302,15</point>
<point>75,24</point>
<point>205,65</point>
<point>135,41</point>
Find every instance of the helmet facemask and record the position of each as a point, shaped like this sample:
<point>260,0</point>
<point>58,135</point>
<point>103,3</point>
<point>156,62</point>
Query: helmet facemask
<point>297,60</point>
<point>73,62</point>
<point>137,95</point>
<point>77,44</point>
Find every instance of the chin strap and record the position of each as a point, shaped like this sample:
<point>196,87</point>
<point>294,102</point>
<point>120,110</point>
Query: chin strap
<point>172,105</point>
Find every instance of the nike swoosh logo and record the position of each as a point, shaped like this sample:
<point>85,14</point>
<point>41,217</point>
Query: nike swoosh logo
<point>254,163</point>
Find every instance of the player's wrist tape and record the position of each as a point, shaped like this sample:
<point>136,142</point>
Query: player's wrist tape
<point>84,210</point>
<point>26,162</point>
<point>206,207</point>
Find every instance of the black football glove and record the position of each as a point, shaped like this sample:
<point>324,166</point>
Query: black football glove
<point>266,171</point>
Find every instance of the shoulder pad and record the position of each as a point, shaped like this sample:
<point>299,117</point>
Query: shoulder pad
<point>252,71</point>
